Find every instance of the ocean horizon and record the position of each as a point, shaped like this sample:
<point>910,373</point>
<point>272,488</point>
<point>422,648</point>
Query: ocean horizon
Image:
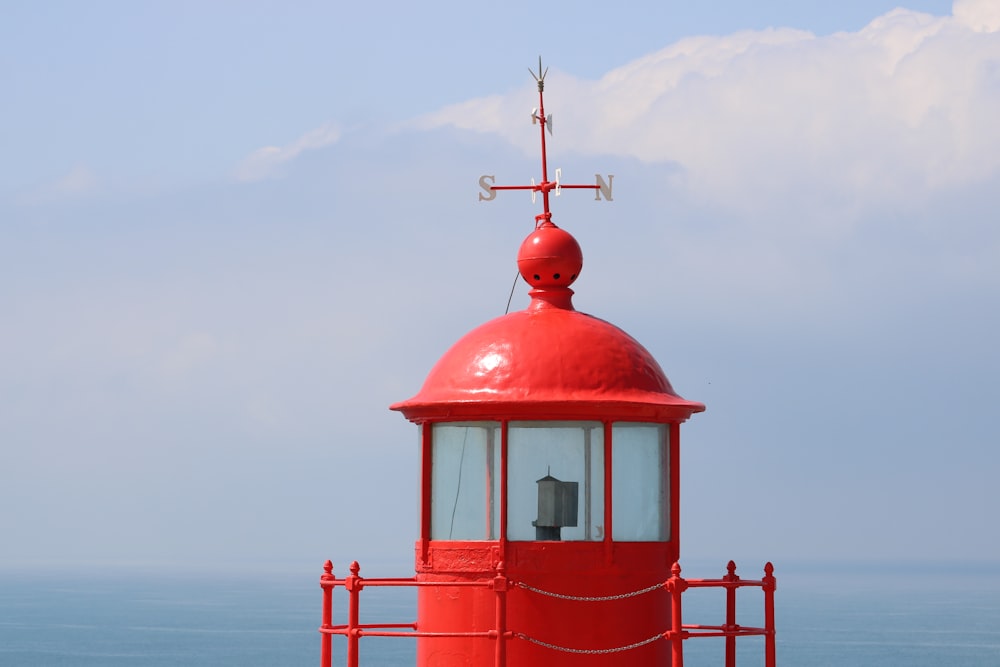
<point>874,614</point>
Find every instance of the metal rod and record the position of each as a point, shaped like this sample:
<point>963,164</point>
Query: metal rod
<point>500,586</point>
<point>353,586</point>
<point>769,586</point>
<point>730,577</point>
<point>676,585</point>
<point>326,582</point>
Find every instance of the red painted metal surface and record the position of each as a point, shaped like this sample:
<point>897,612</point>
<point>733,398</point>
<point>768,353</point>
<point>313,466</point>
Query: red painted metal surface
<point>499,643</point>
<point>730,630</point>
<point>548,361</point>
<point>569,603</point>
<point>546,187</point>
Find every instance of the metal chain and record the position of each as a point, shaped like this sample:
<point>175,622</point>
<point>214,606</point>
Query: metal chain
<point>589,651</point>
<point>583,598</point>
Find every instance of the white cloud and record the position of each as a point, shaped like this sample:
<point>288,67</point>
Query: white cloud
<point>266,162</point>
<point>980,15</point>
<point>80,180</point>
<point>782,118</point>
<point>797,178</point>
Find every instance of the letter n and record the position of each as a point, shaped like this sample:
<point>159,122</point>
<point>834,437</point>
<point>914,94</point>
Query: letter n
<point>603,187</point>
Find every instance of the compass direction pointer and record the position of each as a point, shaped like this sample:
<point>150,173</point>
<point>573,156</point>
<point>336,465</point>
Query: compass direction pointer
<point>486,182</point>
<point>538,117</point>
<point>603,187</point>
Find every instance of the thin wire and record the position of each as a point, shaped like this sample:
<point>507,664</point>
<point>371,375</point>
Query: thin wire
<point>458,487</point>
<point>512,288</point>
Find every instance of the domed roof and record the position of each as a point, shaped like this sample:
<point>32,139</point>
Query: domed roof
<point>548,361</point>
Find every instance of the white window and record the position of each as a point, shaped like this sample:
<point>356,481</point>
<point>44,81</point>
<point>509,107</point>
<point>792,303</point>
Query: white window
<point>555,481</point>
<point>639,473</point>
<point>465,481</point>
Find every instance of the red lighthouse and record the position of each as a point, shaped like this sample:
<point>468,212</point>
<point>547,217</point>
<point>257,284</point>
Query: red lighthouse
<point>549,486</point>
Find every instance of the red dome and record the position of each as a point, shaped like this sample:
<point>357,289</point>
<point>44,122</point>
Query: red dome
<point>547,362</point>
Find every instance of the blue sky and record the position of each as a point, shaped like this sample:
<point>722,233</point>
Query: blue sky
<point>232,234</point>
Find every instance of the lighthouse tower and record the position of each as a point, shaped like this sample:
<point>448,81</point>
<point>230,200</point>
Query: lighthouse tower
<point>550,498</point>
<point>550,454</point>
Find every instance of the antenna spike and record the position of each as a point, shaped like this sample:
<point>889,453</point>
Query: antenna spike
<point>540,77</point>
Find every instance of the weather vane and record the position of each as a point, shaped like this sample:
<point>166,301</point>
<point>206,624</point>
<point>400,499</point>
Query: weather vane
<point>546,187</point>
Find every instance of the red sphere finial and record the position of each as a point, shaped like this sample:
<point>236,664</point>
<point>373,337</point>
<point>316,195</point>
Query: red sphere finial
<point>550,259</point>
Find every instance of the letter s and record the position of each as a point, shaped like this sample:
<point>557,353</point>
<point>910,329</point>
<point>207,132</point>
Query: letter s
<point>486,183</point>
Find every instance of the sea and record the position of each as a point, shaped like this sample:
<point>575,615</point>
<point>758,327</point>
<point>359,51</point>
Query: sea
<point>863,615</point>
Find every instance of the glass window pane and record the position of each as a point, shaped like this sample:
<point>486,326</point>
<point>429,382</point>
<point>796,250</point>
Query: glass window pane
<point>465,482</point>
<point>639,495</point>
<point>555,481</point>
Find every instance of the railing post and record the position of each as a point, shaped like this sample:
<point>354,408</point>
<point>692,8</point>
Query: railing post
<point>500,587</point>
<point>731,578</point>
<point>675,586</point>
<point>769,584</point>
<point>353,584</point>
<point>326,639</point>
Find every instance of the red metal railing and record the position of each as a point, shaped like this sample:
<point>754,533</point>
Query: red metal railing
<point>353,630</point>
<point>730,630</point>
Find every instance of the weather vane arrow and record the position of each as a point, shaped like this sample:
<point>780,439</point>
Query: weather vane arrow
<point>546,187</point>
